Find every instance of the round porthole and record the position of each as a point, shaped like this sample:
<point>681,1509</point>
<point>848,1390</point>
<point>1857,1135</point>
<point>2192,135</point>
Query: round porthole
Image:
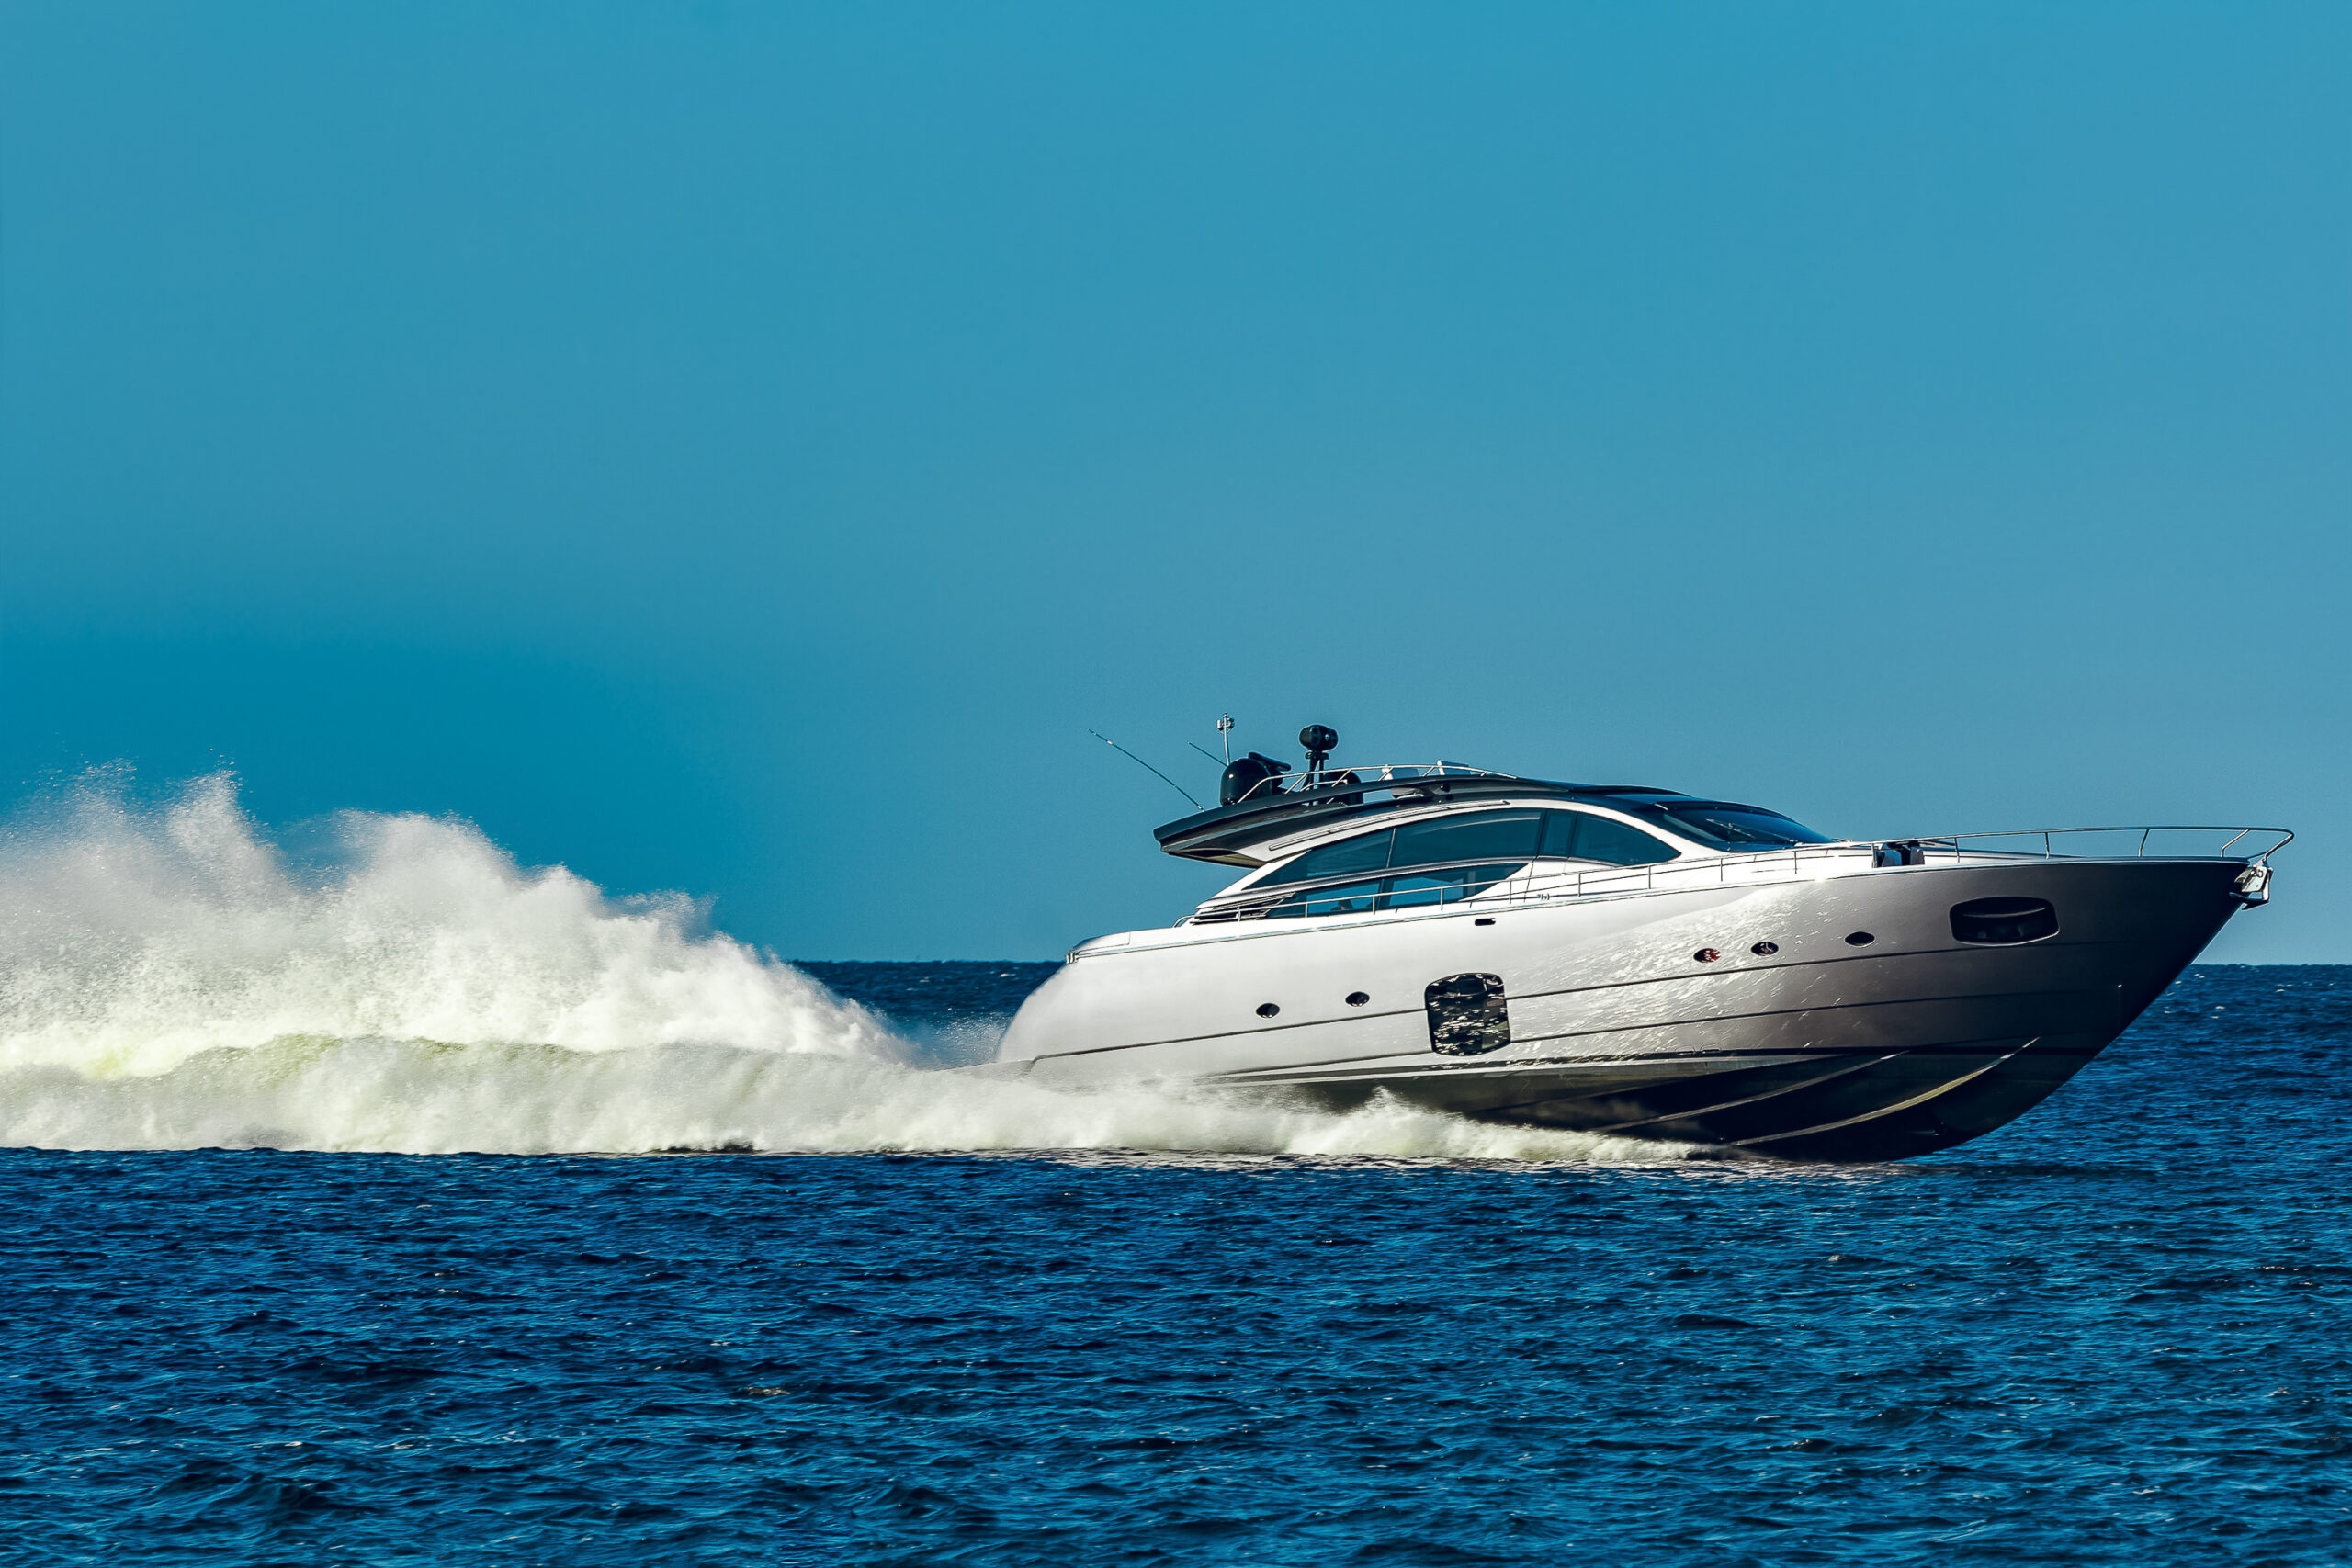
<point>1267,1009</point>
<point>1765,949</point>
<point>1706,955</point>
<point>1357,999</point>
<point>1859,939</point>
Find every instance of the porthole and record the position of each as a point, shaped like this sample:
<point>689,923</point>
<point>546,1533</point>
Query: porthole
<point>1357,999</point>
<point>1705,955</point>
<point>1267,1009</point>
<point>1859,939</point>
<point>1765,949</point>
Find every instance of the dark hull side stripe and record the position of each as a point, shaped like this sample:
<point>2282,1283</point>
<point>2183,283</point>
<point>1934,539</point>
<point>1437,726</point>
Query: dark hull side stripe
<point>1774,1093</point>
<point>1413,1068</point>
<point>1881,1112</point>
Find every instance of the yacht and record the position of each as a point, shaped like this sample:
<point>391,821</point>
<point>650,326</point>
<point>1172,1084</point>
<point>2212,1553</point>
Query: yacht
<point>1633,961</point>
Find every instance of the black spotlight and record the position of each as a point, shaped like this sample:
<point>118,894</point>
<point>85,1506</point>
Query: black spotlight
<point>1319,739</point>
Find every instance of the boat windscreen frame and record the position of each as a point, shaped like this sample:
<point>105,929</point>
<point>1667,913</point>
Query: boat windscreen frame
<point>1232,835</point>
<point>1667,814</point>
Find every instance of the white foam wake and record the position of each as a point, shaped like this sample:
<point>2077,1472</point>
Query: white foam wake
<point>169,978</point>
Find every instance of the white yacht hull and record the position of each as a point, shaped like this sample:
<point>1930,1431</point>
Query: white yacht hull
<point>1816,1049</point>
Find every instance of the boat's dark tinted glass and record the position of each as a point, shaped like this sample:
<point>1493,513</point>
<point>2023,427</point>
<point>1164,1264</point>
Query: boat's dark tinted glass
<point>1476,835</point>
<point>1560,833</point>
<point>1473,835</point>
<point>1404,890</point>
<point>1576,836</point>
<point>1369,852</point>
<point>1450,885</point>
<point>1347,898</point>
<point>1741,828</point>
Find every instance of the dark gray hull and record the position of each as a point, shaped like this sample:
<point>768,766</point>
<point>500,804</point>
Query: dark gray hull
<point>1826,1105</point>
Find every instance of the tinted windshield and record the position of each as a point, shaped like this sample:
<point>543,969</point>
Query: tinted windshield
<point>1737,827</point>
<point>1369,852</point>
<point>1574,835</point>
<point>1476,835</point>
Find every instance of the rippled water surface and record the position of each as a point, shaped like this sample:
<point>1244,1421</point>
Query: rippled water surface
<point>2117,1331</point>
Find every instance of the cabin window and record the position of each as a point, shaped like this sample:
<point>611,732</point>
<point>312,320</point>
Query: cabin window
<point>1347,898</point>
<point>1368,852</point>
<point>1727,826</point>
<point>1450,885</point>
<point>1404,890</point>
<point>1486,846</point>
<point>1577,835</point>
<point>1473,835</point>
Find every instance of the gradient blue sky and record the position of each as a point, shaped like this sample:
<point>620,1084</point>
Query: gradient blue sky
<point>743,449</point>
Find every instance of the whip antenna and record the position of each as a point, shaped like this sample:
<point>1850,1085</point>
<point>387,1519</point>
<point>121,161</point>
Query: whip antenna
<point>1163,778</point>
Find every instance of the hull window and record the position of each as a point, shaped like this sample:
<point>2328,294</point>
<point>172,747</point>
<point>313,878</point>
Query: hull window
<point>1469,1016</point>
<point>2003,922</point>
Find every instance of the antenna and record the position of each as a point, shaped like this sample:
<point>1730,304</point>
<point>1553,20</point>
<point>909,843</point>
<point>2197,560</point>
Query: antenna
<point>1225,736</point>
<point>1163,778</point>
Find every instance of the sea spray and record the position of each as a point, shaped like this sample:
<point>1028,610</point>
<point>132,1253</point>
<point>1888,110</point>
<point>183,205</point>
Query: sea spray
<point>169,978</point>
<point>133,939</point>
<point>416,1097</point>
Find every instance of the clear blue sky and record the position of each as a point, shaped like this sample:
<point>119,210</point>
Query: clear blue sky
<point>743,449</point>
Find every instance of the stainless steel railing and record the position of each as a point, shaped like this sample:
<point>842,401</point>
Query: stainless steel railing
<point>2121,843</point>
<point>1370,777</point>
<point>1535,882</point>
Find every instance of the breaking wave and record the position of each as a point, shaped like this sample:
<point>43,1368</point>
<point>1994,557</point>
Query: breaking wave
<point>171,977</point>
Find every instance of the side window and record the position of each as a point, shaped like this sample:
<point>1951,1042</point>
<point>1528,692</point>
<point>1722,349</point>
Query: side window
<point>1347,898</point>
<point>1576,836</point>
<point>1449,885</point>
<point>1369,852</point>
<point>1479,835</point>
<point>1560,833</point>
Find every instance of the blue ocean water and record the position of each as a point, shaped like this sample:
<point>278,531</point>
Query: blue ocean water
<point>2117,1331</point>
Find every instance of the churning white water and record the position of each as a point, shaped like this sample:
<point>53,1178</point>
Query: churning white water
<point>170,979</point>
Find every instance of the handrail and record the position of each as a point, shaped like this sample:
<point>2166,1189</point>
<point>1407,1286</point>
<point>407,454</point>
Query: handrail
<point>2286,837</point>
<point>1521,886</point>
<point>1388,772</point>
<point>1271,895</point>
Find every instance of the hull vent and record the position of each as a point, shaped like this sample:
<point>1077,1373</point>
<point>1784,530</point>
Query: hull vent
<point>1468,1015</point>
<point>2003,922</point>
